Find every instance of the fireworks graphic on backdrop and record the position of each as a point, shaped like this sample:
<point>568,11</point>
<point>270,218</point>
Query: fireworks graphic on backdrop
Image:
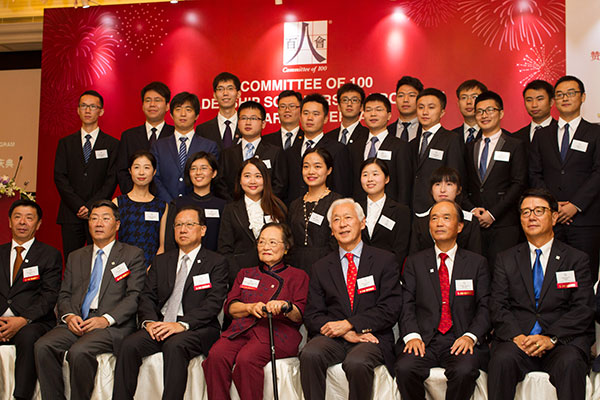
<point>58,109</point>
<point>141,29</point>
<point>513,22</point>
<point>83,44</point>
<point>429,13</point>
<point>539,64</point>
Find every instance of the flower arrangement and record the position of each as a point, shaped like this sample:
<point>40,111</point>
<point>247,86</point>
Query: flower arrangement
<point>8,188</point>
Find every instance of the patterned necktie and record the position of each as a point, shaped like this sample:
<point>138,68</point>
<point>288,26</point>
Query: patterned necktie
<point>93,286</point>
<point>446,318</point>
<point>152,136</point>
<point>308,145</point>
<point>344,136</point>
<point>373,149</point>
<point>182,151</point>
<point>424,143</point>
<point>288,140</point>
<point>483,159</point>
<point>249,153</point>
<point>177,293</point>
<point>351,278</point>
<point>564,147</point>
<point>471,135</point>
<point>87,148</point>
<point>227,137</point>
<point>538,280</point>
<point>18,262</point>
<point>404,134</point>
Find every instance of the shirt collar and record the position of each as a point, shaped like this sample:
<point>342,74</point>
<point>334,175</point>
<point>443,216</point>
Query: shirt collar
<point>315,139</point>
<point>466,127</point>
<point>158,128</point>
<point>377,203</point>
<point>494,137</point>
<point>255,142</point>
<point>451,253</point>
<point>544,123</point>
<point>106,249</point>
<point>413,121</point>
<point>191,255</point>
<point>572,124</point>
<point>545,248</point>
<point>433,129</point>
<point>26,245</point>
<point>189,135</point>
<point>293,131</point>
<point>380,136</point>
<point>93,133</point>
<point>249,202</point>
<point>357,251</point>
<point>233,119</point>
<point>351,127</point>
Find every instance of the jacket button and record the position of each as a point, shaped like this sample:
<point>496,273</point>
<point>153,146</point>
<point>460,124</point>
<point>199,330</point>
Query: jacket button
<point>9,301</point>
<point>481,190</point>
<point>562,172</point>
<point>85,174</point>
<point>180,179</point>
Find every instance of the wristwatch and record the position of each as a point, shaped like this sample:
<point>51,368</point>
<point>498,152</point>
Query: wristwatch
<point>554,340</point>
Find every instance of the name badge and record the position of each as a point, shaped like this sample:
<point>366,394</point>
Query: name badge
<point>468,216</point>
<point>31,274</point>
<point>566,280</point>
<point>502,156</point>
<point>250,284</point>
<point>579,145</point>
<point>268,219</point>
<point>267,163</point>
<point>211,212</point>
<point>151,215</point>
<point>120,271</point>
<point>100,154</point>
<point>386,222</point>
<point>464,287</point>
<point>202,282</point>
<point>366,284</point>
<point>316,219</point>
<point>436,154</point>
<point>384,154</point>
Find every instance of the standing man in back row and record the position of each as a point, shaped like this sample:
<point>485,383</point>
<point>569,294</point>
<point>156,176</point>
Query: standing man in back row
<point>350,98</point>
<point>538,96</point>
<point>407,125</point>
<point>288,109</point>
<point>467,93</point>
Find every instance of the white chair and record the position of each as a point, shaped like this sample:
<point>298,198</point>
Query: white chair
<point>436,385</point>
<point>8,354</point>
<point>288,380</point>
<point>536,385</point>
<point>384,386</point>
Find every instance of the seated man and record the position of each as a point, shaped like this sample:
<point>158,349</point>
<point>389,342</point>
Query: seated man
<point>542,307</point>
<point>443,327</point>
<point>178,309</point>
<point>354,300</point>
<point>96,305</point>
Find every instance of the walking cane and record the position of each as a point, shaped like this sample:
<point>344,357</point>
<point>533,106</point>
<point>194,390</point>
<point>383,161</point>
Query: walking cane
<point>284,310</point>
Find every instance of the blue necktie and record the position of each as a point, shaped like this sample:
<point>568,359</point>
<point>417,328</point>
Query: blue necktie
<point>404,134</point>
<point>309,145</point>
<point>483,160</point>
<point>93,286</point>
<point>288,141</point>
<point>538,280</point>
<point>471,135</point>
<point>227,137</point>
<point>345,136</point>
<point>424,143</point>
<point>87,148</point>
<point>564,147</point>
<point>182,151</point>
<point>249,153</point>
<point>373,150</point>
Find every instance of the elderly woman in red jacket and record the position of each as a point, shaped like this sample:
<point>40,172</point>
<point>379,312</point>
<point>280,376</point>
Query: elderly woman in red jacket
<point>273,285</point>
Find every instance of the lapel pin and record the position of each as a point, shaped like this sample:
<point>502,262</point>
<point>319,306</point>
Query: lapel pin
<point>112,263</point>
<point>431,271</point>
<point>558,257</point>
<point>198,261</point>
<point>26,260</point>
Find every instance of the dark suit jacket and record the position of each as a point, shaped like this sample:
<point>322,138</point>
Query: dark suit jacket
<point>132,140</point>
<point>422,296</point>
<point>210,130</point>
<point>359,131</point>
<point>118,299</point>
<point>275,138</point>
<point>169,178</point>
<point>578,178</point>
<point>34,300</point>
<point>450,144</point>
<point>523,133</point>
<point>459,130</point>
<point>80,184</point>
<point>375,312</point>
<point>469,238</point>
<point>503,183</point>
<point>565,313</point>
<point>393,127</point>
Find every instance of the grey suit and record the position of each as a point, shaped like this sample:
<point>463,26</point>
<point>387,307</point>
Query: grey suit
<point>118,299</point>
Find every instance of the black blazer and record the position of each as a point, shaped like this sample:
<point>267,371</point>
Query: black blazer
<point>375,311</point>
<point>80,184</point>
<point>578,178</point>
<point>358,132</point>
<point>422,296</point>
<point>132,140</point>
<point>503,183</point>
<point>34,300</point>
<point>523,133</point>
<point>420,238</point>
<point>210,130</point>
<point>460,131</point>
<point>274,138</point>
<point>565,313</point>
<point>393,128</point>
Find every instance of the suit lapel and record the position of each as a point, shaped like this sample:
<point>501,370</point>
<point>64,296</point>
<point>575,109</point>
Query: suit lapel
<point>386,210</point>
<point>364,269</point>
<point>172,148</point>
<point>241,214</point>
<point>554,145</point>
<point>194,269</point>
<point>31,254</point>
<point>431,266</point>
<point>579,134</point>
<point>476,147</point>
<point>111,262</point>
<point>337,277</point>
<point>498,147</point>
<point>554,263</point>
<point>5,269</point>
<point>457,270</point>
<point>524,264</point>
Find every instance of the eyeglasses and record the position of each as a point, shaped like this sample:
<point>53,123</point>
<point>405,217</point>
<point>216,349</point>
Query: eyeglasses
<point>92,107</point>
<point>486,111</point>
<point>271,243</point>
<point>226,88</point>
<point>538,211</point>
<point>188,225</point>
<point>346,100</point>
<point>290,107</point>
<point>252,118</point>
<point>203,168</point>
<point>569,93</point>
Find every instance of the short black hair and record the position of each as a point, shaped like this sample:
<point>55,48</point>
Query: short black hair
<point>380,98</point>
<point>109,204</point>
<point>95,94</point>
<point>351,87</point>
<point>444,174</point>
<point>224,77</point>
<point>142,153</point>
<point>410,81</point>
<point>459,211</point>
<point>286,233</point>
<point>183,97</point>
<point>290,93</point>
<point>470,84</point>
<point>316,98</point>
<point>209,157</point>
<point>199,211</point>
<point>540,193</point>
<point>568,78</point>
<point>253,105</point>
<point>539,84</point>
<point>25,203</point>
<point>434,92</point>
<point>324,153</point>
<point>380,163</point>
<point>159,88</point>
<point>489,95</point>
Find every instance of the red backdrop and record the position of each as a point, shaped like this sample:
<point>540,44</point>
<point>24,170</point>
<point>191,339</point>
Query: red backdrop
<point>118,49</point>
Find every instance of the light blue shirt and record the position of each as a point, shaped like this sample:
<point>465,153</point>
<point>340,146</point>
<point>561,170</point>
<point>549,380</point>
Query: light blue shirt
<point>357,251</point>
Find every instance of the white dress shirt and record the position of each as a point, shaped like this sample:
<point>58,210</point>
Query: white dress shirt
<point>561,130</point>
<point>533,125</point>
<point>543,257</point>
<point>256,215</point>
<point>255,143</point>
<point>466,128</point>
<point>315,141</point>
<point>221,122</point>
<point>191,259</point>
<point>380,138</point>
<point>189,135</point>
<point>93,134</point>
<point>433,131</point>
<point>158,129</point>
<point>374,209</point>
<point>350,129</point>
<point>412,128</point>
<point>294,133</point>
<point>13,257</point>
<point>492,146</point>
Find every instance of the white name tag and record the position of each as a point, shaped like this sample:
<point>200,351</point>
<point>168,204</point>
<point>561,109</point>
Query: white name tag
<point>202,282</point>
<point>464,287</point>
<point>120,271</point>
<point>384,154</point>
<point>316,219</point>
<point>267,163</point>
<point>386,222</point>
<point>100,154</point>
<point>579,145</point>
<point>250,284</point>
<point>436,154</point>
<point>502,156</point>
<point>268,219</point>
<point>211,212</point>
<point>566,280</point>
<point>151,215</point>
<point>468,215</point>
<point>366,284</point>
<point>31,274</point>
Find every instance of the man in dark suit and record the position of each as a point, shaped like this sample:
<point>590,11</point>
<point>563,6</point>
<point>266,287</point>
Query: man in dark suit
<point>565,159</point>
<point>538,97</point>
<point>178,309</point>
<point>496,176</point>
<point>28,291</point>
<point>251,122</point>
<point>448,329</point>
<point>223,128</point>
<point>96,305</point>
<point>288,110</point>
<point>350,98</point>
<point>354,299</point>
<point>314,115</point>
<point>379,143</point>
<point>155,104</point>
<point>466,94</point>
<point>433,148</point>
<point>542,307</point>
<point>407,126</point>
<point>172,152</point>
<point>85,170</point>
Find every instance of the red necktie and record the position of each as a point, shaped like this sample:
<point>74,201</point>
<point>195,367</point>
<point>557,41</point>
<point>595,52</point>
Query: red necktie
<point>351,278</point>
<point>446,319</point>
